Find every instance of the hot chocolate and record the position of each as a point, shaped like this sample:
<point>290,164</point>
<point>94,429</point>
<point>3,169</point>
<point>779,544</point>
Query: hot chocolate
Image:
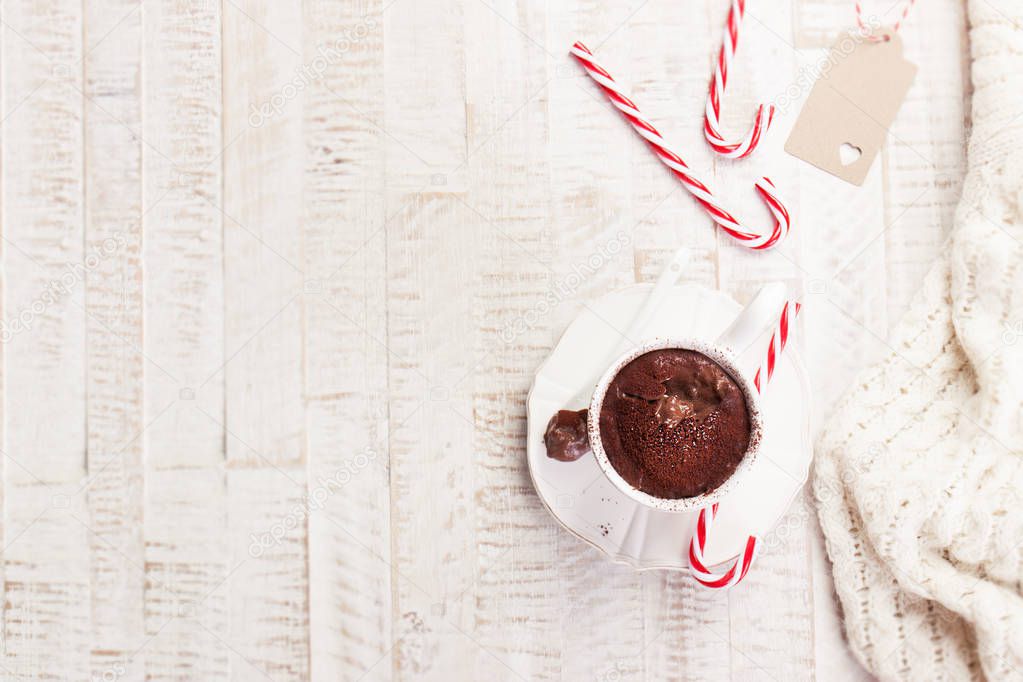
<point>674,423</point>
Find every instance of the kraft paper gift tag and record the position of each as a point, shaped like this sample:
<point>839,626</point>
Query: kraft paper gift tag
<point>847,115</point>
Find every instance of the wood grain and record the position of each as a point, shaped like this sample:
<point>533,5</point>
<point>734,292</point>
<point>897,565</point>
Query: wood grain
<point>263,92</point>
<point>47,578</point>
<point>345,234</point>
<point>264,87</point>
<point>112,99</point>
<point>430,435</point>
<point>431,274</point>
<point>183,228</point>
<point>187,558</point>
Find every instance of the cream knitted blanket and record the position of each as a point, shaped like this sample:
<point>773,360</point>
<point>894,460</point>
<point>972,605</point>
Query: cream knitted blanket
<point>918,476</point>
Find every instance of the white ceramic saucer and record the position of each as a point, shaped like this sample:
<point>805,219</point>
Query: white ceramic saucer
<point>580,496</point>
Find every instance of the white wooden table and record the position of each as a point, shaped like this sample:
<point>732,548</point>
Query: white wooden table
<point>259,417</point>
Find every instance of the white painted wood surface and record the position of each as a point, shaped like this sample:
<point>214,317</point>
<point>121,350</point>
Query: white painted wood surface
<point>261,418</point>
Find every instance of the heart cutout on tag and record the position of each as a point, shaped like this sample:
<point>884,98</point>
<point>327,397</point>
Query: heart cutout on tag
<point>849,153</point>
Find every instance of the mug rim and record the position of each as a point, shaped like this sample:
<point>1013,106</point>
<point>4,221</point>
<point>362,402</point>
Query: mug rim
<point>723,357</point>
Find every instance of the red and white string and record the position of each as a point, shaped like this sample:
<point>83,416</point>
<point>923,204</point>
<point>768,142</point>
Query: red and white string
<point>867,30</point>
<point>737,570</point>
<point>712,117</point>
<point>753,238</point>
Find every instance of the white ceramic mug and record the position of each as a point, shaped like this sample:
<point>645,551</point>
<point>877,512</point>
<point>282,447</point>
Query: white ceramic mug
<point>725,351</point>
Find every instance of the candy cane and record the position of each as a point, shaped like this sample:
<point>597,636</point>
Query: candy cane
<point>754,239</point>
<point>704,521</point>
<point>736,572</point>
<point>779,338</point>
<point>712,118</point>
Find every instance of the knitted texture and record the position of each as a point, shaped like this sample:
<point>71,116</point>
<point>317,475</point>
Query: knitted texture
<point>918,477</point>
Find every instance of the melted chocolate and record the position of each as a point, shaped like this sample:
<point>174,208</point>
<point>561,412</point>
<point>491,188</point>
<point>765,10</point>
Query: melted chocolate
<point>566,437</point>
<point>674,423</point>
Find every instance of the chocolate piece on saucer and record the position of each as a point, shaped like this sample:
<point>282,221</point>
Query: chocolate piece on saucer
<point>566,438</point>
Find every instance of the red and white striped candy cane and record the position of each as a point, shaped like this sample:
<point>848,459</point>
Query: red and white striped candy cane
<point>755,239</point>
<point>705,519</point>
<point>697,566</point>
<point>779,338</point>
<point>712,118</point>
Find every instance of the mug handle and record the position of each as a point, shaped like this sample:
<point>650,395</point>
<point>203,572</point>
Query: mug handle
<point>754,319</point>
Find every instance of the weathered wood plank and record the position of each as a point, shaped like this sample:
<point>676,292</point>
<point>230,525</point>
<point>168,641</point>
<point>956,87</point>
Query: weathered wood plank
<point>431,244</point>
<point>687,635</point>
<point>669,80</point>
<point>775,604</point>
<point>46,619</point>
<point>46,554</point>
<point>187,559</point>
<point>187,564</point>
<point>183,234</point>
<point>344,231</point>
<point>267,591</point>
<point>423,124</point>
<point>114,400</point>
<point>431,276</point>
<point>264,87</point>
<point>45,287</point>
<point>264,82</point>
<point>925,158</point>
